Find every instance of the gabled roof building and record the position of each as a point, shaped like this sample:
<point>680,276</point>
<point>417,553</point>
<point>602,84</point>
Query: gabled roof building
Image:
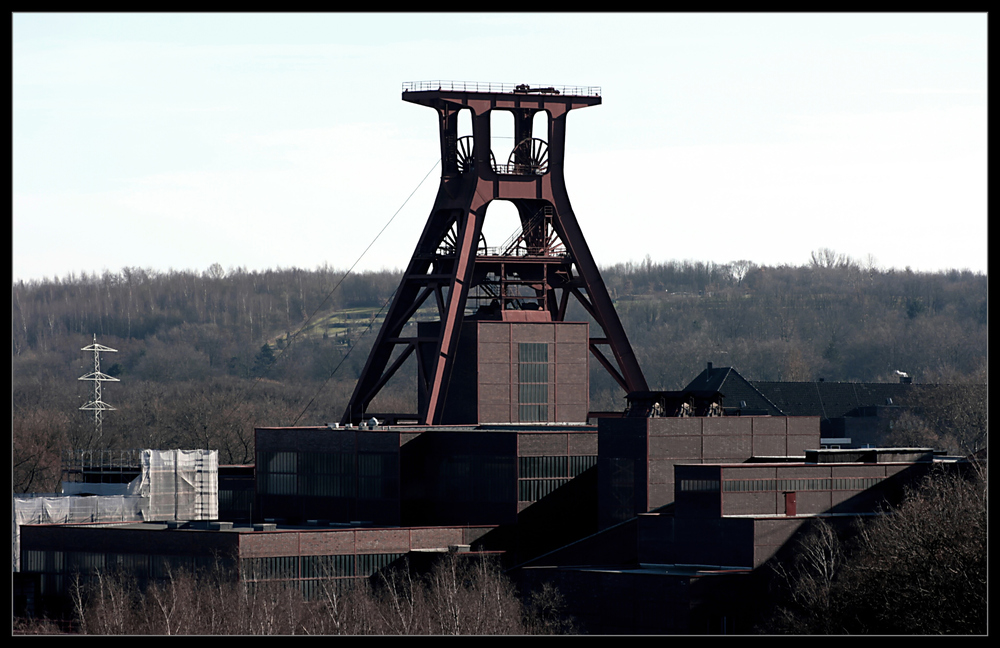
<point>855,414</point>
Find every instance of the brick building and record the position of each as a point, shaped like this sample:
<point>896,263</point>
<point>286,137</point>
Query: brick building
<point>692,567</point>
<point>51,554</point>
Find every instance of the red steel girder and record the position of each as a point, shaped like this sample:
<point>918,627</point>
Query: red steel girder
<point>447,254</point>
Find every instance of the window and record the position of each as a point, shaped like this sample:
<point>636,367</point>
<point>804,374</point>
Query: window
<point>539,476</point>
<point>337,566</point>
<point>542,466</point>
<point>533,381</point>
<point>276,473</point>
<point>272,568</point>
<point>327,474</point>
<point>750,485</point>
<point>368,564</point>
<point>378,475</point>
<point>700,485</point>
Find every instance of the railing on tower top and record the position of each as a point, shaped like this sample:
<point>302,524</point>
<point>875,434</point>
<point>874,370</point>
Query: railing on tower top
<point>505,88</point>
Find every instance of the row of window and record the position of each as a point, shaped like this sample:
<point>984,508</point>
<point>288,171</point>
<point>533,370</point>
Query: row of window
<point>466,477</point>
<point>843,483</point>
<point>533,373</point>
<point>160,566</point>
<point>484,478</point>
<point>58,568</point>
<point>235,500</point>
<point>534,352</point>
<point>532,490</point>
<point>312,588</point>
<point>270,568</point>
<point>539,476</point>
<point>768,485</point>
<point>532,393</point>
<point>146,565</point>
<point>474,478</point>
<point>328,566</point>
<point>533,467</point>
<point>329,474</point>
<point>295,567</point>
<point>700,485</point>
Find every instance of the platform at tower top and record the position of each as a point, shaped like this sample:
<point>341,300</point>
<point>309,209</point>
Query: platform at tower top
<point>501,88</point>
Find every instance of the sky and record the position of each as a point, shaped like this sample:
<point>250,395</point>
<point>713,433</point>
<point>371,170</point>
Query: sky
<point>178,141</point>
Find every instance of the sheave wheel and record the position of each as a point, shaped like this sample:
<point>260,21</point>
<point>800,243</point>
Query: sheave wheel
<point>463,154</point>
<point>530,156</point>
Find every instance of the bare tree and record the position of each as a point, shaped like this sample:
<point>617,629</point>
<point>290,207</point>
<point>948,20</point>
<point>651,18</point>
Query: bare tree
<point>912,430</point>
<point>919,568</point>
<point>809,582</point>
<point>739,269</point>
<point>922,568</point>
<point>546,612</point>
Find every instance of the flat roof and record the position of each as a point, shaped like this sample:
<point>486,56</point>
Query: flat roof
<point>533,428</point>
<point>245,527</point>
<point>488,87</point>
<point>654,569</point>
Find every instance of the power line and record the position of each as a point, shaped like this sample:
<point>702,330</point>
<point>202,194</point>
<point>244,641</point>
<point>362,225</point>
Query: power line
<point>291,338</point>
<point>343,360</point>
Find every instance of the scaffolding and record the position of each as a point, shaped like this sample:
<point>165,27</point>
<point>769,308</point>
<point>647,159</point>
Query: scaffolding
<point>167,485</point>
<point>41,508</point>
<point>92,467</point>
<point>180,484</point>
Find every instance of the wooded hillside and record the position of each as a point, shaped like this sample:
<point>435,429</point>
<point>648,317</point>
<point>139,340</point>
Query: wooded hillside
<point>203,358</point>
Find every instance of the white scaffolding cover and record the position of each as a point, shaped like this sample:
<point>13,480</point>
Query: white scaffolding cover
<point>70,509</point>
<point>180,484</point>
<point>173,485</point>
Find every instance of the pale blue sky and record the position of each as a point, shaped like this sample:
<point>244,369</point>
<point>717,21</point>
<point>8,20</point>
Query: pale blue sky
<point>277,140</point>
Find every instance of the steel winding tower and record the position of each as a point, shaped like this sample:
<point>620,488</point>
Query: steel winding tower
<point>530,278</point>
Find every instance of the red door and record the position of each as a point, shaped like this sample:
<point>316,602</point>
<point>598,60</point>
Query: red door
<point>790,503</point>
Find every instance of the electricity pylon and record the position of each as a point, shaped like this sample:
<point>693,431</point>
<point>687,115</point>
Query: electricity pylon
<point>97,405</point>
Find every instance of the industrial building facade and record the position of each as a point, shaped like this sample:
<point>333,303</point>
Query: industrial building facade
<point>648,520</point>
<point>415,476</point>
<point>581,507</point>
<point>693,567</point>
<point>638,455</point>
<point>304,556</point>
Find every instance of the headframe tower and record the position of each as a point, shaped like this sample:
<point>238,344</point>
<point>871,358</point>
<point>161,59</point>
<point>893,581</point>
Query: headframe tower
<point>527,282</point>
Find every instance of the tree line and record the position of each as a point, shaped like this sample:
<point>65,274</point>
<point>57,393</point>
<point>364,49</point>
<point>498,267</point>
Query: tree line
<point>833,319</point>
<point>203,358</point>
<point>457,596</point>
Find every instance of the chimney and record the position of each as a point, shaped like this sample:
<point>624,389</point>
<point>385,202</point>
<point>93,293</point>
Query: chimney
<point>709,366</point>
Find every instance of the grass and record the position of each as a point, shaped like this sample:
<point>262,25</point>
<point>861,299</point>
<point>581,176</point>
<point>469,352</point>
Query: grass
<point>349,322</point>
